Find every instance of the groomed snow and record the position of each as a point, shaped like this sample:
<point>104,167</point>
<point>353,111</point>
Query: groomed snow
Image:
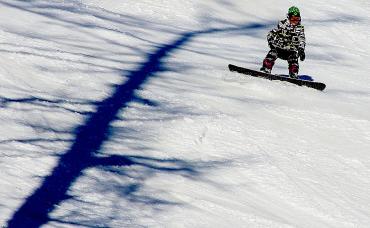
<point>123,114</point>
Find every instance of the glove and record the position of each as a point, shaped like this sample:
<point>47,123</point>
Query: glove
<point>302,55</point>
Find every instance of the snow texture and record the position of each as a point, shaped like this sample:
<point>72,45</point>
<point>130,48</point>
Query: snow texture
<point>123,114</point>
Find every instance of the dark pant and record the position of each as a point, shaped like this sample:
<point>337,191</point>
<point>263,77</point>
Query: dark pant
<point>290,56</point>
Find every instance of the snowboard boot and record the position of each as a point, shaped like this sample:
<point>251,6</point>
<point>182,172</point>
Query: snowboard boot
<point>267,65</point>
<point>265,70</point>
<point>293,70</point>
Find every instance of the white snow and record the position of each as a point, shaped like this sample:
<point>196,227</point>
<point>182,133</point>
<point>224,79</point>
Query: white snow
<point>194,145</point>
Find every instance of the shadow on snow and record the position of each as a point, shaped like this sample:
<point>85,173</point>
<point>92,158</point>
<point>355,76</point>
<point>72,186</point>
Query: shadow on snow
<point>89,137</point>
<point>96,130</point>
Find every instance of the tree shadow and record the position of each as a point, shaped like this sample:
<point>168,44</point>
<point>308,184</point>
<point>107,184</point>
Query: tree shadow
<point>95,131</point>
<point>84,152</point>
<point>89,139</point>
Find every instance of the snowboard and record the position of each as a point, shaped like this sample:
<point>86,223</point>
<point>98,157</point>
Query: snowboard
<point>301,80</point>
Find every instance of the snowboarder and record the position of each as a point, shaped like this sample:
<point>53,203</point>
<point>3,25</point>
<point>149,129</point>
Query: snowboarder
<point>286,42</point>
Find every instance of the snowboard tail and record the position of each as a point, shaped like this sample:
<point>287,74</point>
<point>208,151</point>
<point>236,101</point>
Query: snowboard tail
<point>311,84</point>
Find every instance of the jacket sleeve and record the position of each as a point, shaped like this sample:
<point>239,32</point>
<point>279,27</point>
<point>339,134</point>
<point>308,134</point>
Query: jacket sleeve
<point>302,39</point>
<point>271,36</point>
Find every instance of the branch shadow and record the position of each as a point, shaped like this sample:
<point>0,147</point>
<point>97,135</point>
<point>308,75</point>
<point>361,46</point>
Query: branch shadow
<point>90,136</point>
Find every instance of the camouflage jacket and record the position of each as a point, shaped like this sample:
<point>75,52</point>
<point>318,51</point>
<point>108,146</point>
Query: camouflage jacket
<point>287,37</point>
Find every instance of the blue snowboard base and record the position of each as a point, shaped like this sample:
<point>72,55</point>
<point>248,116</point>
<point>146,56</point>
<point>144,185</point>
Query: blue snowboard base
<point>300,77</point>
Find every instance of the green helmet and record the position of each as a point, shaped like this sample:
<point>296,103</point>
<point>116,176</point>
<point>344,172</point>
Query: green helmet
<point>294,11</point>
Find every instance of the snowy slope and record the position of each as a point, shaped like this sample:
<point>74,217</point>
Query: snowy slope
<point>123,114</point>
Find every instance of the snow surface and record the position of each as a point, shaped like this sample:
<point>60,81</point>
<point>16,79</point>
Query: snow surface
<point>123,114</point>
